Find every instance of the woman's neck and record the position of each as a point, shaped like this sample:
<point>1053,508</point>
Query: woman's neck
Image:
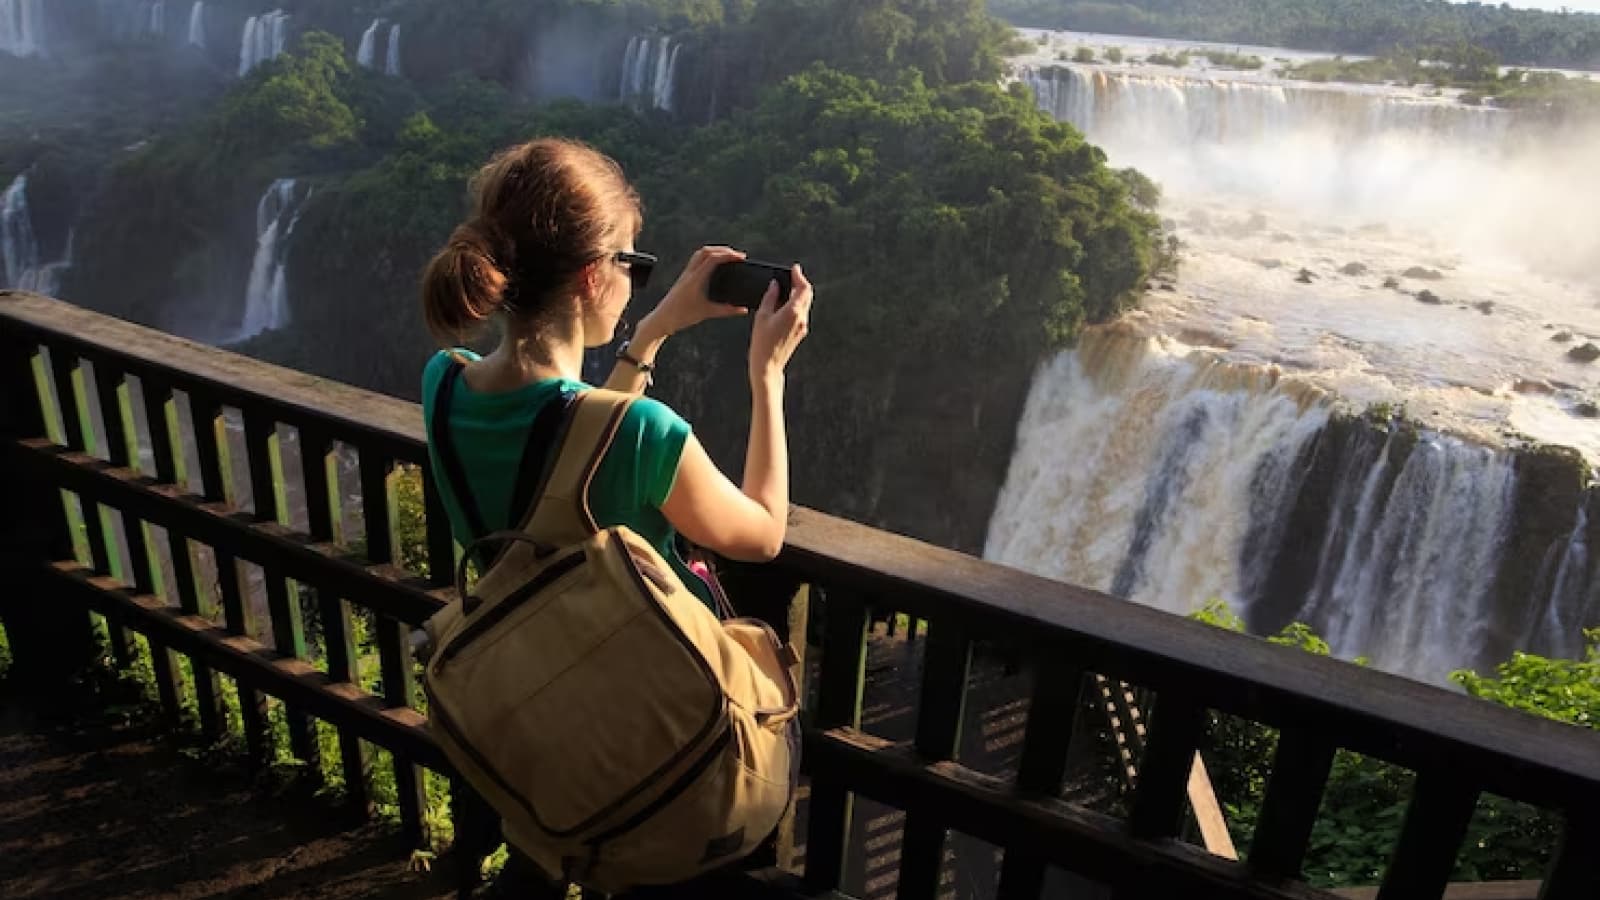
<point>521,360</point>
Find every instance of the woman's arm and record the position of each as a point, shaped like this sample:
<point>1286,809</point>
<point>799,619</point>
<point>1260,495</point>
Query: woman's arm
<point>684,306</point>
<point>748,523</point>
<point>745,524</point>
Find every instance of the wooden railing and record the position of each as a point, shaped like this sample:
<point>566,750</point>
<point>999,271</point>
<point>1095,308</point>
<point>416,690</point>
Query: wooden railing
<point>177,543</point>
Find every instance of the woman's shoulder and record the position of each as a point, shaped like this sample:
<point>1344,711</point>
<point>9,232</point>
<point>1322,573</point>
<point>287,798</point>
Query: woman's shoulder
<point>437,365</point>
<point>650,416</point>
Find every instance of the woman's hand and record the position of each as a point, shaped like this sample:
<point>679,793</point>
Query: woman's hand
<point>686,304</point>
<point>778,329</point>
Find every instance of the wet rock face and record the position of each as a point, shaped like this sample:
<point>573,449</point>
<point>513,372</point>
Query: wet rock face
<point>1429,297</point>
<point>1354,268</point>
<point>1305,276</point>
<point>1562,337</point>
<point>1423,274</point>
<point>1584,353</point>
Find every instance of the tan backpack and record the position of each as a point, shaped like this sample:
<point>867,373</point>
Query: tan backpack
<point>624,734</point>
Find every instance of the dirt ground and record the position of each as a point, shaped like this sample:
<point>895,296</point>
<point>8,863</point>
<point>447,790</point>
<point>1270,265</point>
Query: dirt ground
<point>100,807</point>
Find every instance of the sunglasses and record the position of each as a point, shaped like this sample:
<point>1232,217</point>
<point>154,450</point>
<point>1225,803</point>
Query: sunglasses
<point>639,266</point>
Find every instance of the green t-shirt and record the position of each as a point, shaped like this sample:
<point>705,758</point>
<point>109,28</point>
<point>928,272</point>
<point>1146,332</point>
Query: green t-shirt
<point>490,433</point>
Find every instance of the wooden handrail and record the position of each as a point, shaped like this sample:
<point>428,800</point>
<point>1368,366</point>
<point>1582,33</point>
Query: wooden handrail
<point>1459,746</point>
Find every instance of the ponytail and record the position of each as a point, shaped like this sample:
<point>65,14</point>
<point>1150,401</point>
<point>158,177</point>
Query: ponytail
<point>462,287</point>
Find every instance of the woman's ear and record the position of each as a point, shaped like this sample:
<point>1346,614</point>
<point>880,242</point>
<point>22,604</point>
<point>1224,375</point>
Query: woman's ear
<point>591,281</point>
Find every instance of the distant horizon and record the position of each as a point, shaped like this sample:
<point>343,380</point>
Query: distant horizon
<point>1588,6</point>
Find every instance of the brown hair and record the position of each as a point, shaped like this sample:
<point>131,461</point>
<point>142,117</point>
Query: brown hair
<point>541,212</point>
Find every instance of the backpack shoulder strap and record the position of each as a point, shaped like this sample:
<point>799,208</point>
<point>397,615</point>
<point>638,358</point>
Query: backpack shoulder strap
<point>449,460</point>
<point>561,514</point>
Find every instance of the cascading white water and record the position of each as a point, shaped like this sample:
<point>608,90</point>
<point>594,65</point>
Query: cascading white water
<point>197,25</point>
<point>1405,576</point>
<point>20,265</point>
<point>667,91</point>
<point>265,37</point>
<point>1330,146</point>
<point>155,18</point>
<point>391,64</point>
<point>22,27</point>
<point>19,250</point>
<point>367,51</point>
<point>1168,478</point>
<point>266,305</point>
<point>650,72</point>
<point>1573,599</point>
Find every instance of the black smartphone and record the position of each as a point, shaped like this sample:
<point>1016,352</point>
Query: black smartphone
<point>745,283</point>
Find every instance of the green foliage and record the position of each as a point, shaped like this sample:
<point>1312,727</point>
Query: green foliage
<point>1178,60</point>
<point>292,100</point>
<point>1114,54</point>
<point>1523,36</point>
<point>5,652</point>
<point>1083,55</point>
<point>1226,60</point>
<point>1567,690</point>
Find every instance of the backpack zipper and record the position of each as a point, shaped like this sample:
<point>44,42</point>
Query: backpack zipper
<point>683,783</point>
<point>496,614</point>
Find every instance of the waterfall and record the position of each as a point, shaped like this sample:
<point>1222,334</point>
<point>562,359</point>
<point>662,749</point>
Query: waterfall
<point>19,250</point>
<point>629,59</point>
<point>197,25</point>
<point>1325,147</point>
<point>669,90</point>
<point>155,18</point>
<point>367,52</point>
<point>49,280</point>
<point>22,27</point>
<point>1411,589</point>
<point>265,37</point>
<point>266,305</point>
<point>1573,599</point>
<point>650,72</point>
<point>1168,477</point>
<point>391,65</point>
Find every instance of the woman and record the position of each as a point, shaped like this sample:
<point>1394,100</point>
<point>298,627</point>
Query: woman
<point>549,254</point>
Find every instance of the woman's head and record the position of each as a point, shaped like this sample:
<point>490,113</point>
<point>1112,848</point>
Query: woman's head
<point>548,218</point>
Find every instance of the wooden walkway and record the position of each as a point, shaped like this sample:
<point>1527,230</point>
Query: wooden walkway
<point>105,806</point>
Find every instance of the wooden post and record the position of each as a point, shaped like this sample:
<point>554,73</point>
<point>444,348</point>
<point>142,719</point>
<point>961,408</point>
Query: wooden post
<point>51,643</point>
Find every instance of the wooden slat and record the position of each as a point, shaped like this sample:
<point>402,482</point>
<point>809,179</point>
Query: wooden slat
<point>1091,844</point>
<point>441,544</point>
<point>283,600</point>
<point>338,633</point>
<point>1176,727</point>
<point>160,415</point>
<point>73,407</point>
<point>1574,873</point>
<point>109,390</point>
<point>398,682</point>
<point>209,437</point>
<point>394,654</point>
<point>841,681</point>
<point>382,588</point>
<point>1436,823</point>
<point>1043,767</point>
<point>940,708</point>
<point>402,731</point>
<point>51,643</point>
<point>1300,769</point>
